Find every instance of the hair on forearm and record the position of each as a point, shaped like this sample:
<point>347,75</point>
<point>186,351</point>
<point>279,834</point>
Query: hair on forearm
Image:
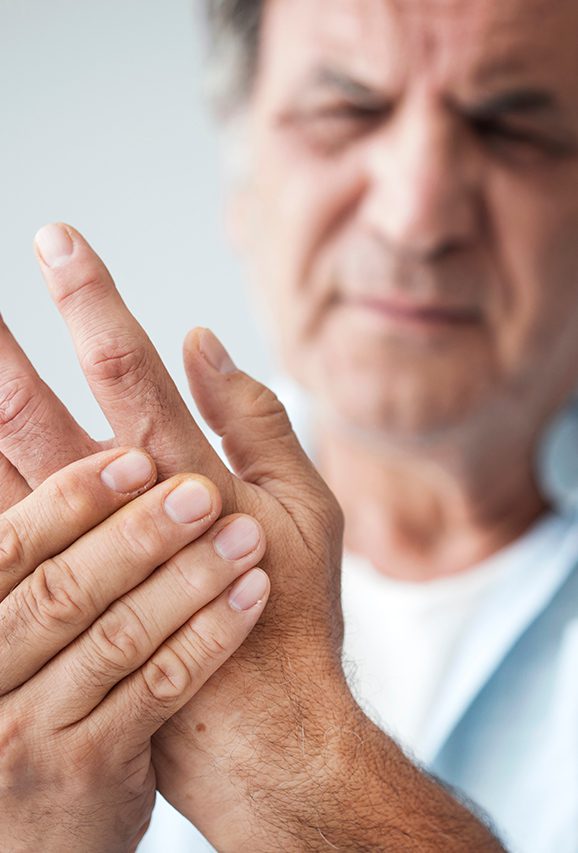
<point>353,789</point>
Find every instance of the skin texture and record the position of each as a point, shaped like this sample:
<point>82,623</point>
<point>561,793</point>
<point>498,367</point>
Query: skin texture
<point>97,649</point>
<point>412,157</point>
<point>279,717</point>
<point>469,226</point>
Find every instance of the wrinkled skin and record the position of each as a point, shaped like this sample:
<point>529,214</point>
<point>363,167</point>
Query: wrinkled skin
<point>437,168</point>
<point>469,226</point>
<point>274,745</point>
<point>97,649</point>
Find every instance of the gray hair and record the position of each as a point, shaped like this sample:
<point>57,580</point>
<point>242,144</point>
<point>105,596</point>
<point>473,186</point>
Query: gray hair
<point>233,31</point>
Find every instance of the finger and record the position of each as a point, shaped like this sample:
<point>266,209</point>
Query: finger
<point>38,435</point>
<point>260,444</point>
<point>140,704</point>
<point>67,593</point>
<point>257,435</point>
<point>123,369</point>
<point>13,487</point>
<point>65,506</point>
<point>134,627</point>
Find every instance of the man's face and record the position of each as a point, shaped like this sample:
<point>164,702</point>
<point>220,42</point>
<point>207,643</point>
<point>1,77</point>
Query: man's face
<point>412,213</point>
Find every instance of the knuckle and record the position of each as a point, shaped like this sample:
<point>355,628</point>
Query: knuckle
<point>87,282</point>
<point>204,644</point>
<point>192,580</point>
<point>70,494</point>
<point>263,416</point>
<point>12,553</point>
<point>166,677</point>
<point>18,404</point>
<point>12,752</point>
<point>118,639</point>
<point>53,597</point>
<point>139,534</point>
<point>266,404</point>
<point>116,360</point>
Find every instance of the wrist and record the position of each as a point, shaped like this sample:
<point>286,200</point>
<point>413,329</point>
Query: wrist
<point>332,780</point>
<point>288,770</point>
<point>224,760</point>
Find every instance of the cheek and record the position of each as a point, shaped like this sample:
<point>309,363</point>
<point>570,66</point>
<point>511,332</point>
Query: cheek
<point>536,310</point>
<point>299,201</point>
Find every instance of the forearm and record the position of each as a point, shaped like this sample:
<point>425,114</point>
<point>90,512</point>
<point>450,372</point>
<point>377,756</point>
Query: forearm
<point>340,784</point>
<point>362,793</point>
<point>367,795</point>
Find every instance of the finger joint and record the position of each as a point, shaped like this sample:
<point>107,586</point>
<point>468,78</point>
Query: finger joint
<point>119,639</point>
<point>12,552</point>
<point>116,361</point>
<point>54,598</point>
<point>166,677</point>
<point>204,646</point>
<point>139,535</point>
<point>18,405</point>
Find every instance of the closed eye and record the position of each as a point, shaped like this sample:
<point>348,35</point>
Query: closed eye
<point>497,133</point>
<point>333,126</point>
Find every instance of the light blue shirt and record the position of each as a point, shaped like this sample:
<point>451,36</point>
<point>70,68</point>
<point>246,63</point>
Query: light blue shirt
<point>506,733</point>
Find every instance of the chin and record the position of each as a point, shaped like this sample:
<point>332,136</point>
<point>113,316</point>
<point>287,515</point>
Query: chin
<point>405,403</point>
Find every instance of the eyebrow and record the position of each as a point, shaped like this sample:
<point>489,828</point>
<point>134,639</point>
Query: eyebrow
<point>335,79</point>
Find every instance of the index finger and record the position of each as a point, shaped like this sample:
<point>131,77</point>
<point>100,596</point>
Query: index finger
<point>38,435</point>
<point>123,369</point>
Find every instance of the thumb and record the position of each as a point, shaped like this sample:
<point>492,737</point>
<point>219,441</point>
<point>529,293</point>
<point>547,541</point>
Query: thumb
<point>258,438</point>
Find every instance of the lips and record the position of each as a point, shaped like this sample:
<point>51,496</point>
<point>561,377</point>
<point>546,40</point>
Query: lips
<point>419,313</point>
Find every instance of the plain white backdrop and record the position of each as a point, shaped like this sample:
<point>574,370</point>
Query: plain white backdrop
<point>103,125</point>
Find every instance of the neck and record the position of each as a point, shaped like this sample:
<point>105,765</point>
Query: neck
<point>420,513</point>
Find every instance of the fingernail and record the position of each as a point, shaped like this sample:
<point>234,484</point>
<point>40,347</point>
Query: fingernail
<point>249,591</point>
<point>54,244</point>
<point>237,539</point>
<point>189,502</point>
<point>215,353</point>
<point>128,473</point>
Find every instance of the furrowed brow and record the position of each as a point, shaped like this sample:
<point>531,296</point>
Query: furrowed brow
<point>332,78</point>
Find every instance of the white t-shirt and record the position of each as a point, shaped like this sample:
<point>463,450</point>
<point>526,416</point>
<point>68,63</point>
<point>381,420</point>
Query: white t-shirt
<point>400,637</point>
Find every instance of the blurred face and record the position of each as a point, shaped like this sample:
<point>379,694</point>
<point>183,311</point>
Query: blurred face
<point>411,219</point>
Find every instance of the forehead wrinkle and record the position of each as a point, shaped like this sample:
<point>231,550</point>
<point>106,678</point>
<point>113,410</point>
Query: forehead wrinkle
<point>468,45</point>
<point>334,37</point>
<point>443,35</point>
<point>425,34</point>
<point>483,42</point>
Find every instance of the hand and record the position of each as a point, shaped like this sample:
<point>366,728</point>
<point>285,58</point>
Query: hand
<point>97,649</point>
<point>273,746</point>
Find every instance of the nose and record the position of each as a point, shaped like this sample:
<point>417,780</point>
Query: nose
<point>423,184</point>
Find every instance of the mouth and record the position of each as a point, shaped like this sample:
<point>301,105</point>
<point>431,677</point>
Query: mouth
<point>406,312</point>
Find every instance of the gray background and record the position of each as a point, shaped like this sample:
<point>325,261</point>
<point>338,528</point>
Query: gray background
<point>103,125</point>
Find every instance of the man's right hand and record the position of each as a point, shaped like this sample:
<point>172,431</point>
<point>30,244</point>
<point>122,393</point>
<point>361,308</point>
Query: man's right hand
<point>98,647</point>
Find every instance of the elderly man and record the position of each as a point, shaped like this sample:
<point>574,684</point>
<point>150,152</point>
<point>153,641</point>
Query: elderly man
<point>407,203</point>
